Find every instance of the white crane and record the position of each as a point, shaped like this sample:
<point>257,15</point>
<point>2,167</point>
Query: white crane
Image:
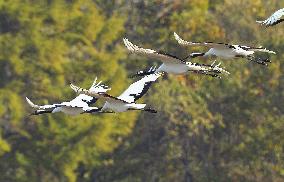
<point>227,51</point>
<point>126,101</point>
<point>80,104</point>
<point>274,19</point>
<point>173,64</point>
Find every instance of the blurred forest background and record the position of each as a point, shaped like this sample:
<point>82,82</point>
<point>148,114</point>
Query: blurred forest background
<point>207,129</point>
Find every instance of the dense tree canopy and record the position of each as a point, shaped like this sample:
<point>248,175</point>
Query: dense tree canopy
<point>207,129</point>
<point>44,46</point>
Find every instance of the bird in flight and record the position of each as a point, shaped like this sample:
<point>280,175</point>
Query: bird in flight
<point>126,101</point>
<point>173,64</point>
<point>227,51</point>
<point>80,104</point>
<point>274,19</point>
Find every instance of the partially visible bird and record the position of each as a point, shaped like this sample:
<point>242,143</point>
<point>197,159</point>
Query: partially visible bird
<point>226,51</point>
<point>126,101</point>
<point>173,64</point>
<point>80,104</point>
<point>274,19</point>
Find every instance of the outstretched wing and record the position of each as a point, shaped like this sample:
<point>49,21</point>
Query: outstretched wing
<point>137,89</point>
<point>101,95</point>
<point>75,103</point>
<point>82,100</point>
<point>274,19</point>
<point>96,88</point>
<point>99,87</point>
<point>207,44</point>
<point>259,49</point>
<point>159,55</point>
<point>43,107</point>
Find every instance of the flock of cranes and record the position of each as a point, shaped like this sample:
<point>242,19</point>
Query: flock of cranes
<point>170,64</point>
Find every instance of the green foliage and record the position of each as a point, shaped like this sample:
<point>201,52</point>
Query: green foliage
<point>44,46</point>
<point>206,129</point>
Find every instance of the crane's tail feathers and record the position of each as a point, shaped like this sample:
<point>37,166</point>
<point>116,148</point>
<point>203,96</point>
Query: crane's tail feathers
<point>180,40</point>
<point>218,69</point>
<point>95,82</point>
<point>212,64</point>
<point>98,86</point>
<point>32,104</point>
<point>78,90</point>
<point>136,49</point>
<point>131,47</point>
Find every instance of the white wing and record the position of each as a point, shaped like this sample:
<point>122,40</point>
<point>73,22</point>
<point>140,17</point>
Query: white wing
<point>274,19</point>
<point>89,96</point>
<point>133,93</point>
<point>263,50</point>
<point>259,49</point>
<point>101,95</point>
<point>207,44</point>
<point>137,89</point>
<point>164,57</point>
<point>79,101</point>
<point>43,107</point>
<point>75,103</point>
<point>98,87</point>
<point>80,90</point>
